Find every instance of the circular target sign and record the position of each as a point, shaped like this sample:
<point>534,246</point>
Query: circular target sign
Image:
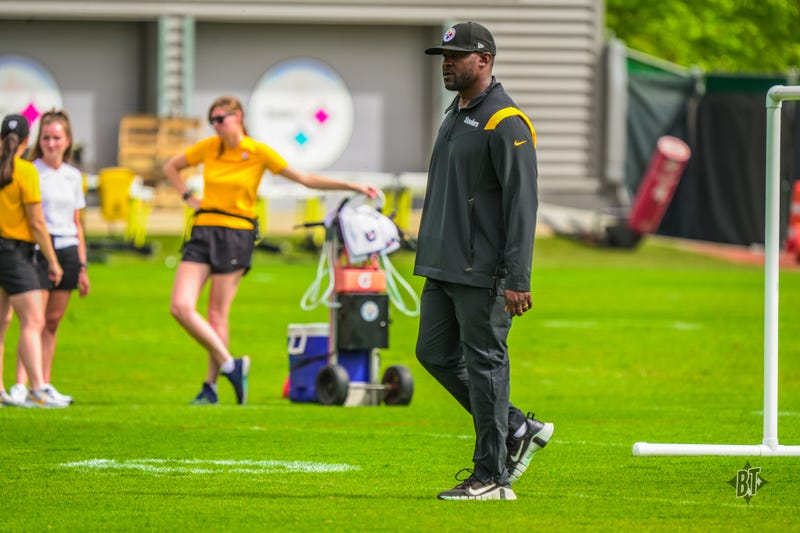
<point>303,110</point>
<point>28,89</point>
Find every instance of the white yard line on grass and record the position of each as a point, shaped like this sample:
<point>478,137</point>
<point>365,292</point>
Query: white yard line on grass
<point>450,436</point>
<point>209,466</point>
<point>590,443</point>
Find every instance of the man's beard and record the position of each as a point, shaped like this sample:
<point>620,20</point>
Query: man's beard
<point>458,82</point>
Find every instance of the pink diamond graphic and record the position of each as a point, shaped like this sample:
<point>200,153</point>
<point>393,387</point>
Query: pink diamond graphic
<point>321,116</point>
<point>31,113</point>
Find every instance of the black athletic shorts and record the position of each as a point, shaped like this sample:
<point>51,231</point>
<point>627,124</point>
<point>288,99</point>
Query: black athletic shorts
<point>224,249</point>
<point>70,264</point>
<point>18,270</point>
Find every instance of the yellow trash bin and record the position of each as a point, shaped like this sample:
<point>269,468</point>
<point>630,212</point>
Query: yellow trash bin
<point>114,184</point>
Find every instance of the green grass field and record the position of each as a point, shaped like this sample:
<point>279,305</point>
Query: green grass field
<point>656,345</point>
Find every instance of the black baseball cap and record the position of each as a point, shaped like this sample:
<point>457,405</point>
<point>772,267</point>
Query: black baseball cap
<point>465,37</point>
<point>15,124</point>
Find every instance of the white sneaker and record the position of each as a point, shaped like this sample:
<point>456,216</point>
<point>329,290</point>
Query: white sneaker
<point>7,400</point>
<point>19,393</point>
<point>42,398</point>
<point>55,394</point>
<point>472,489</point>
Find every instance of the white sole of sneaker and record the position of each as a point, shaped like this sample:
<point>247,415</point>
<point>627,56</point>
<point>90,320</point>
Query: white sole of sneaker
<point>35,405</point>
<point>498,493</point>
<point>538,442</point>
<point>11,402</point>
<point>543,436</point>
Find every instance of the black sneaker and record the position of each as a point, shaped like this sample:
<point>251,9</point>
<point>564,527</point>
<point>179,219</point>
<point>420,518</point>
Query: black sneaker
<point>474,489</point>
<point>207,396</point>
<point>238,378</point>
<point>521,449</point>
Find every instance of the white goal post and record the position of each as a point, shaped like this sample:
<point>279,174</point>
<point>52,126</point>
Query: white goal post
<point>769,445</point>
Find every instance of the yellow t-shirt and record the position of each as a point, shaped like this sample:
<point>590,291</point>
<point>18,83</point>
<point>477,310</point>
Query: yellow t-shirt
<point>230,180</point>
<point>23,189</point>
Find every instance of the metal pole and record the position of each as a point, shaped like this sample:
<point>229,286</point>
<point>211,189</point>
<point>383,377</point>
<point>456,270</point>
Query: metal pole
<point>775,97</point>
<point>771,276</point>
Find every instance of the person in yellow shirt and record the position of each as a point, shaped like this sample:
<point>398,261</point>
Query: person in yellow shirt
<point>222,240</point>
<point>63,199</point>
<point>22,227</point>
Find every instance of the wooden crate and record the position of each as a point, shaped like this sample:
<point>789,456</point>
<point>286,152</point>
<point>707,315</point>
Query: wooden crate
<point>175,134</point>
<point>146,142</point>
<point>138,142</point>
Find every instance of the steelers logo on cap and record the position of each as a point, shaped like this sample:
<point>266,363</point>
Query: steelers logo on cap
<point>449,34</point>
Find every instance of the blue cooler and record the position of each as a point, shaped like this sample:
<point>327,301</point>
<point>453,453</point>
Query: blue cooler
<point>308,353</point>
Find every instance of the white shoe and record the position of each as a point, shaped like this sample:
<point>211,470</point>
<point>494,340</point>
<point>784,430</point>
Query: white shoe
<point>19,393</point>
<point>42,398</point>
<point>55,394</point>
<point>8,400</point>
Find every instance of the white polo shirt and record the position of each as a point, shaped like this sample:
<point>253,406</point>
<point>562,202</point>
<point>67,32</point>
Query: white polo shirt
<point>62,195</point>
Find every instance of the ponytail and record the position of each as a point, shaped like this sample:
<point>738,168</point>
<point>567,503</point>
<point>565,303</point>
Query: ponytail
<point>9,151</point>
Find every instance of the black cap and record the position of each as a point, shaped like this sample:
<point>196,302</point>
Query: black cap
<point>465,37</point>
<point>15,124</point>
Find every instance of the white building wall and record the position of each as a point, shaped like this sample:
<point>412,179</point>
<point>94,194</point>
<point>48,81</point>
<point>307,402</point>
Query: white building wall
<point>548,54</point>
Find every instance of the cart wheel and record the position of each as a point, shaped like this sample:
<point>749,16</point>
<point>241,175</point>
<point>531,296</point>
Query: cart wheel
<point>332,384</point>
<point>399,385</point>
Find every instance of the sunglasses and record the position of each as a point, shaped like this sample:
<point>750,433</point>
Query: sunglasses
<point>219,119</point>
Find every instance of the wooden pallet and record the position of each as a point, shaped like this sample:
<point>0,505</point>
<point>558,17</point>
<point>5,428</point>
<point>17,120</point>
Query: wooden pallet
<point>146,142</point>
<point>138,141</point>
<point>175,135</point>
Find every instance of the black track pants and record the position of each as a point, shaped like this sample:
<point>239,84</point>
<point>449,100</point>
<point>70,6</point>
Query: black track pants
<point>462,343</point>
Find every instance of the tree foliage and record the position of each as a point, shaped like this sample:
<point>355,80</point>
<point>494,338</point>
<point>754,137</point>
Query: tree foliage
<point>755,36</point>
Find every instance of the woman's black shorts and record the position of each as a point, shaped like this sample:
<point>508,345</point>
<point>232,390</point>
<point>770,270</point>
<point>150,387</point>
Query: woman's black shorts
<point>71,265</point>
<point>224,249</point>
<point>18,269</point>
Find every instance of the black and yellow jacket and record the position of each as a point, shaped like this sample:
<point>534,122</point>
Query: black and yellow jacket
<point>479,215</point>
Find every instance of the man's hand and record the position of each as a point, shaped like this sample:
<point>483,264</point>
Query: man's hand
<point>518,302</point>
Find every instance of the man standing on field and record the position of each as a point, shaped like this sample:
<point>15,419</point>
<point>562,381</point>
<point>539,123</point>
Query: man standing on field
<point>475,249</point>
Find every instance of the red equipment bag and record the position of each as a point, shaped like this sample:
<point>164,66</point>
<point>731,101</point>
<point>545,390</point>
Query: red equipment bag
<point>793,241</point>
<point>365,278</point>
<point>658,186</point>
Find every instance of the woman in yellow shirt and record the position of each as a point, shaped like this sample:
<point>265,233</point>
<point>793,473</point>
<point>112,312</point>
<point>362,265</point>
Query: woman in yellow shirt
<point>63,199</point>
<point>22,226</point>
<point>222,240</point>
